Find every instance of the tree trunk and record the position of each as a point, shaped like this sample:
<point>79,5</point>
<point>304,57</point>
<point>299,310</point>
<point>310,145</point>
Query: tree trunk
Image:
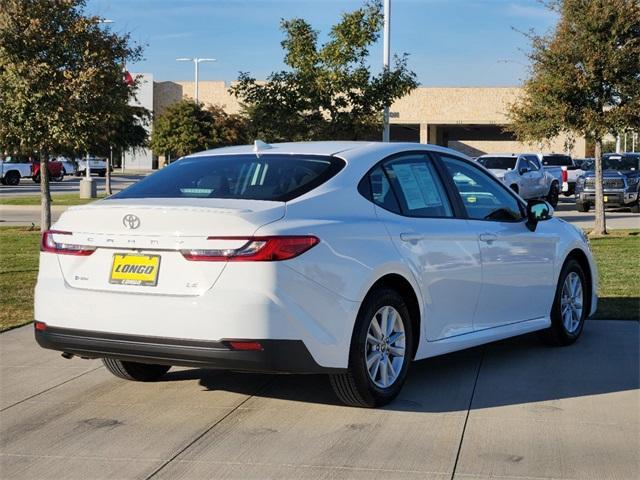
<point>600,226</point>
<point>45,194</point>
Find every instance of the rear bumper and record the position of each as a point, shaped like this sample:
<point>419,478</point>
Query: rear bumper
<point>276,356</point>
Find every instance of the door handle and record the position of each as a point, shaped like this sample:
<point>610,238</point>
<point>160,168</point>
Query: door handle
<point>488,237</point>
<point>411,237</point>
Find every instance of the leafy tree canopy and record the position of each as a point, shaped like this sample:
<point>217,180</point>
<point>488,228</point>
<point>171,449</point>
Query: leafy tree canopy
<point>585,79</point>
<point>585,76</point>
<point>61,79</point>
<point>329,91</point>
<point>186,127</point>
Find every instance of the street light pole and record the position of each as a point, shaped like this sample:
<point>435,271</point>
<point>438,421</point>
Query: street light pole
<point>196,62</point>
<point>385,62</point>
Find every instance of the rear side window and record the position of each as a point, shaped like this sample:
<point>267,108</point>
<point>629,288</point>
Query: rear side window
<point>268,177</point>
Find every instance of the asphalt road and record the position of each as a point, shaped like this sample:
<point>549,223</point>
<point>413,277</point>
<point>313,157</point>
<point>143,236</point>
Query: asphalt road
<point>513,409</point>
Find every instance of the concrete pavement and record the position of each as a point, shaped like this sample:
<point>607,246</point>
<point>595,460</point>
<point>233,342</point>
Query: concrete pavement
<point>513,409</point>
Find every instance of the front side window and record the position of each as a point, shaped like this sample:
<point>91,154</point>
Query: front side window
<point>534,164</point>
<point>484,198</point>
<point>417,186</point>
<point>268,177</point>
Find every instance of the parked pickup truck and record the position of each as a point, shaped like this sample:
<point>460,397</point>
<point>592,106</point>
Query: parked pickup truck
<point>569,171</point>
<point>13,168</point>
<point>56,172</point>
<point>621,183</point>
<point>97,166</point>
<point>524,174</point>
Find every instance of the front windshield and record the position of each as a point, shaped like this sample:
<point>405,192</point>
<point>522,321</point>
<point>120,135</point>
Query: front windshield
<point>621,162</point>
<point>498,163</point>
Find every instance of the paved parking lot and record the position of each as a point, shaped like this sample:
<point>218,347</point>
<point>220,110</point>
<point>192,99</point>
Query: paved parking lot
<point>515,409</point>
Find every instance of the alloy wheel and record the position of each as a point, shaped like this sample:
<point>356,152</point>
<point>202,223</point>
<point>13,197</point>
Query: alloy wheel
<point>571,302</point>
<point>385,347</point>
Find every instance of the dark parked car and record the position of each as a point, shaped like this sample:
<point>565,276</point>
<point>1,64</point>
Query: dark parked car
<point>621,176</point>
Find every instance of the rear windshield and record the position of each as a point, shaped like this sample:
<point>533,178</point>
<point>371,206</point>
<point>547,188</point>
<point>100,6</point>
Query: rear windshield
<point>268,177</point>
<point>557,161</point>
<point>498,163</point>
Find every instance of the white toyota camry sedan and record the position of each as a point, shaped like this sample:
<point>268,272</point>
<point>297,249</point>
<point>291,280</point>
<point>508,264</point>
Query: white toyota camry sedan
<point>346,258</point>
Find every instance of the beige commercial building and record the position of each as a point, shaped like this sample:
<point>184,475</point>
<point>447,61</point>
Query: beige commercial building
<point>470,120</point>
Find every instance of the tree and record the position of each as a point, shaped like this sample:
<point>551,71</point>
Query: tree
<point>329,91</point>
<point>585,79</point>
<point>61,80</point>
<point>186,127</point>
<point>128,133</point>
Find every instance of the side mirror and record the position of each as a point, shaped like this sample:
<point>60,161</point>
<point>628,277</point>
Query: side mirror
<point>537,211</point>
<point>522,170</point>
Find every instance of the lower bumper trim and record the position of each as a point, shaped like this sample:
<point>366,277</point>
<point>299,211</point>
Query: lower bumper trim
<point>276,356</point>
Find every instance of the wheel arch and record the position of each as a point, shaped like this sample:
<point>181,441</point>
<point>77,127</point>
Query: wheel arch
<point>579,256</point>
<point>400,284</point>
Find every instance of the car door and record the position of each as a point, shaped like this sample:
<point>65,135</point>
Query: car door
<point>526,184</point>
<point>517,264</point>
<point>439,248</point>
<point>537,177</point>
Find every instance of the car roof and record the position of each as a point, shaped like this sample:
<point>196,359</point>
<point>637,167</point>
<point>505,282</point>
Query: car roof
<point>302,148</point>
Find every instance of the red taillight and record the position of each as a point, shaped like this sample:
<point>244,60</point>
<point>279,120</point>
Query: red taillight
<point>251,346</point>
<point>48,244</point>
<point>565,174</point>
<point>256,249</point>
<point>41,326</point>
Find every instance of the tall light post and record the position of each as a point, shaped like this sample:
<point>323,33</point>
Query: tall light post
<point>385,61</point>
<point>87,187</point>
<point>196,61</point>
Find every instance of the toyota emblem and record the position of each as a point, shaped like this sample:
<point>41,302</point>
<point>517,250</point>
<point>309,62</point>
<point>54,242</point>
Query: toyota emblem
<point>131,221</point>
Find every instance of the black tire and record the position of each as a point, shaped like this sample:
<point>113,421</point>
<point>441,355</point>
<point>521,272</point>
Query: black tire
<point>557,334</point>
<point>140,372</point>
<point>554,195</point>
<point>635,208</point>
<point>3,181</point>
<point>12,178</point>
<point>355,387</point>
<point>36,178</point>
<point>583,207</point>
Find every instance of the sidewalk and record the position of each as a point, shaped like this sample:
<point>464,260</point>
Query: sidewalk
<point>514,409</point>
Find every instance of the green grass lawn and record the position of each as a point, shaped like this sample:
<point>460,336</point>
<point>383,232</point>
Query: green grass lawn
<point>617,255</point>
<point>65,199</point>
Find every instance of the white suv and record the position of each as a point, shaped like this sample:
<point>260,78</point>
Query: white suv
<point>347,258</point>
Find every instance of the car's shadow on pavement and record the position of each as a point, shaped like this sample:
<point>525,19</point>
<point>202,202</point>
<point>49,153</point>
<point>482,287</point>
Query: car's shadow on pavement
<point>511,372</point>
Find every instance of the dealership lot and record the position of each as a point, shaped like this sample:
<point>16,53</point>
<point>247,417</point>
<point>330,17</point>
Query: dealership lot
<point>514,409</point>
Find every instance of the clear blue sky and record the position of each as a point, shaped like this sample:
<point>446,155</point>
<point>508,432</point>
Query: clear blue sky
<point>450,42</point>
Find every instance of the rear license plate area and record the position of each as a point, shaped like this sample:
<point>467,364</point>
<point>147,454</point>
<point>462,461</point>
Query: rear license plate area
<point>135,269</point>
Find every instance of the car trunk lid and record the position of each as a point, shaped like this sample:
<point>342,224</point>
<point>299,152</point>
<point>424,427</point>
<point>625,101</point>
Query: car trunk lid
<point>138,233</point>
